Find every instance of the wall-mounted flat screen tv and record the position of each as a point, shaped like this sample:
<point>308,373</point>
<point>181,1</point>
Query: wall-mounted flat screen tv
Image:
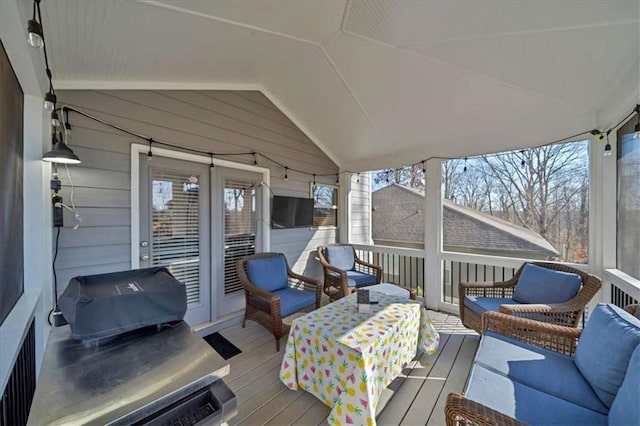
<point>291,212</point>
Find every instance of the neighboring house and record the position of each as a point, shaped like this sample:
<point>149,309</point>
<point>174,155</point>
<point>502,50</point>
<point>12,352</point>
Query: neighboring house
<point>397,220</point>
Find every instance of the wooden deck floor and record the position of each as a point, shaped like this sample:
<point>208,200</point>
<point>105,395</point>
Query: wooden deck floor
<point>417,397</point>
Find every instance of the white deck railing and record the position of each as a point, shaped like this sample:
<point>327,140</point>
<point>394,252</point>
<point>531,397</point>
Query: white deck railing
<point>405,266</point>
<point>620,289</point>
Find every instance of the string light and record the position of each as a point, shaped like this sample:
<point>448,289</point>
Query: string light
<point>55,121</point>
<point>358,178</point>
<point>286,173</point>
<point>211,158</point>
<point>522,163</point>
<point>607,147</point>
<point>35,36</point>
<point>424,170</point>
<point>255,158</point>
<point>314,180</point>
<point>150,153</point>
<point>337,178</point>
<point>465,165</point>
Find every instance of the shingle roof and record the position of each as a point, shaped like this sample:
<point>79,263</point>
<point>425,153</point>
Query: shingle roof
<point>398,216</point>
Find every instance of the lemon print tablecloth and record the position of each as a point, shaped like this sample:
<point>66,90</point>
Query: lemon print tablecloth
<point>346,358</point>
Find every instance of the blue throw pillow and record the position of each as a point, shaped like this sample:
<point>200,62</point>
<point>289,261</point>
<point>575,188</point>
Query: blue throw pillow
<point>537,284</point>
<point>625,409</point>
<point>269,273</point>
<point>604,349</point>
<point>340,257</point>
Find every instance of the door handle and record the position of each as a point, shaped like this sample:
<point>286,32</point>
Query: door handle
<point>144,257</point>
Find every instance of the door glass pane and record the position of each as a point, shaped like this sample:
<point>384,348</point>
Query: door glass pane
<point>239,229</point>
<point>176,227</point>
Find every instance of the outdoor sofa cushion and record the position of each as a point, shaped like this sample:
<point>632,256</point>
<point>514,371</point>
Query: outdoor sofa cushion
<point>341,257</point>
<point>605,347</point>
<point>292,300</point>
<point>360,279</point>
<point>270,273</point>
<point>541,369</point>
<point>480,305</point>
<point>543,285</point>
<point>625,409</point>
<point>525,403</point>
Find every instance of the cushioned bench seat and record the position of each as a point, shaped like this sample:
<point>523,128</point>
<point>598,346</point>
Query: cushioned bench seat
<point>525,403</point>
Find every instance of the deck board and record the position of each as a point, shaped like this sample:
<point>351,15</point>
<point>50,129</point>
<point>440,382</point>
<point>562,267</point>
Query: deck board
<point>417,396</point>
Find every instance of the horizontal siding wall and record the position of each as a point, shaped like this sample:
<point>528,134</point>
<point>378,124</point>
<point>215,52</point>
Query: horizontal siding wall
<point>220,121</point>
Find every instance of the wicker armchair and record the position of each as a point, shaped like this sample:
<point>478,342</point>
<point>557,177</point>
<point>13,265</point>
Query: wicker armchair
<point>567,313</point>
<point>462,411</point>
<point>274,291</point>
<point>350,273</point>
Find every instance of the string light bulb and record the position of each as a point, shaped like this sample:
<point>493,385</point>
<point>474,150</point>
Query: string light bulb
<point>150,153</point>
<point>465,165</point>
<point>607,148</point>
<point>314,181</point>
<point>522,162</point>
<point>255,158</point>
<point>55,120</point>
<point>35,36</point>
<point>286,173</point>
<point>424,170</point>
<point>211,165</point>
<point>358,178</point>
<point>50,100</point>
<point>337,178</point>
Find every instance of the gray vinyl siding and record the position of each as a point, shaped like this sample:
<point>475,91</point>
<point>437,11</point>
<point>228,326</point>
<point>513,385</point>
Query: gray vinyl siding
<point>220,121</point>
<point>361,209</point>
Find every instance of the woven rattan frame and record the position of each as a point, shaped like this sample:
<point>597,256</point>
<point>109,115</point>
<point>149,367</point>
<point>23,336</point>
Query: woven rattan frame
<point>336,283</point>
<point>567,313</point>
<point>263,306</point>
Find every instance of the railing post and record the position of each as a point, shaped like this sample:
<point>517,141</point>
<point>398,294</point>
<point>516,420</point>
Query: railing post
<point>433,234</point>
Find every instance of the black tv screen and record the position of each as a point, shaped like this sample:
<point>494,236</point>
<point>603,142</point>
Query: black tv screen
<point>291,212</point>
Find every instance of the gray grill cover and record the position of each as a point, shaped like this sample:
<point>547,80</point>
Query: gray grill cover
<point>105,305</point>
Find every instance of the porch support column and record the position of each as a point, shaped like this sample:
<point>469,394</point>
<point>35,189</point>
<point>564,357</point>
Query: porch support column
<point>433,234</point>
<point>344,210</point>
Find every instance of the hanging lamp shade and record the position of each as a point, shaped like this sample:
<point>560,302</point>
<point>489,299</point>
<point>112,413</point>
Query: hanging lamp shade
<point>61,153</point>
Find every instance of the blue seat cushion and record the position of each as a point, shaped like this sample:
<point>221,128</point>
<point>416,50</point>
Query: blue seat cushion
<point>537,284</point>
<point>541,369</point>
<point>360,279</point>
<point>269,273</point>
<point>625,409</point>
<point>524,403</point>
<point>479,305</point>
<point>340,257</point>
<point>292,300</point>
<point>605,347</point>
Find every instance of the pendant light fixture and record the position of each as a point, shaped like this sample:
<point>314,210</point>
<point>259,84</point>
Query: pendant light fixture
<point>35,36</point>
<point>60,153</point>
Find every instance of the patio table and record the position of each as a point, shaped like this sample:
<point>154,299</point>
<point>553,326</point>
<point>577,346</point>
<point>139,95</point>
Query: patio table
<point>346,358</point>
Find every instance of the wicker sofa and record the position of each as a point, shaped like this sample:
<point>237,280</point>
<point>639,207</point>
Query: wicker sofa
<point>529,372</point>
<point>547,305</point>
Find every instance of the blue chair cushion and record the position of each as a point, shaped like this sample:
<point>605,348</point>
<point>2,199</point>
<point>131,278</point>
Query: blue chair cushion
<point>340,257</point>
<point>524,403</point>
<point>625,409</point>
<point>269,273</point>
<point>479,305</point>
<point>292,300</point>
<point>604,349</point>
<point>542,285</point>
<point>360,279</point>
<point>541,369</point>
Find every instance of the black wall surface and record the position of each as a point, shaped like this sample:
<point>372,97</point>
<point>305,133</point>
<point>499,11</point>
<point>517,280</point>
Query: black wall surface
<point>11,162</point>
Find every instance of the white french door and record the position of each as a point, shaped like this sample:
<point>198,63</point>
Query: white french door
<point>174,227</point>
<point>237,211</point>
<point>198,221</point>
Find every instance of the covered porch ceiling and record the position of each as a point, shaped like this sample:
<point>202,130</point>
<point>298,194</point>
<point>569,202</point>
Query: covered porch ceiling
<point>374,84</point>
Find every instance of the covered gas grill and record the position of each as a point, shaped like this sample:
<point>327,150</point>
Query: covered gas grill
<point>155,375</point>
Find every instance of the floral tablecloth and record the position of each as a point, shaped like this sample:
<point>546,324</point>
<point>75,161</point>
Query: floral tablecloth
<point>346,358</point>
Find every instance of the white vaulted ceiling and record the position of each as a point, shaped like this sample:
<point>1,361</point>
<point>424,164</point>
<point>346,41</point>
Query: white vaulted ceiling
<point>373,83</point>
